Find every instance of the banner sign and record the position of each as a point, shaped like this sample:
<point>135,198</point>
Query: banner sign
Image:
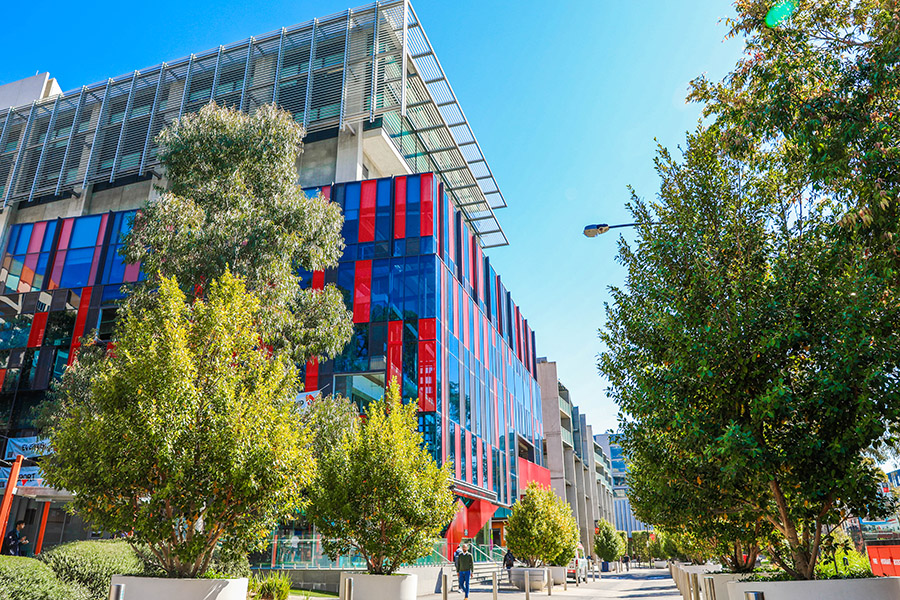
<point>29,447</point>
<point>28,476</point>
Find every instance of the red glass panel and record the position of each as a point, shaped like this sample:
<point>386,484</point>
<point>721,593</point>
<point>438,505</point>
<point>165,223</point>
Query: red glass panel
<point>427,329</point>
<point>2,377</point>
<point>399,208</point>
<point>479,464</point>
<point>427,380</point>
<point>132,272</point>
<point>65,234</point>
<point>470,472</point>
<point>362,291</point>
<point>95,264</point>
<point>311,381</point>
<point>367,210</point>
<point>426,214</point>
<point>490,467</point>
<point>326,191</point>
<point>318,280</point>
<point>458,454</point>
<point>80,321</point>
<point>38,326</point>
<point>395,350</point>
<point>37,237</point>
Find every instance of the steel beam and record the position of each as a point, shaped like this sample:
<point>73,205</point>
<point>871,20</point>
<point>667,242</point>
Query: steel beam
<point>344,71</point>
<point>21,149</point>
<point>72,132</point>
<point>309,74</point>
<point>212,91</point>
<point>278,66</point>
<point>153,108</point>
<point>246,73</point>
<point>87,168</point>
<point>374,83</point>
<point>50,125</point>
<point>125,117</point>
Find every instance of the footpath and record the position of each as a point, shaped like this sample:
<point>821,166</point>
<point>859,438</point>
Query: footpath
<point>637,584</point>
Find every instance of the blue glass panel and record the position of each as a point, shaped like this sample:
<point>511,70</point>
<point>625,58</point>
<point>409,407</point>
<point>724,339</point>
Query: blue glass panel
<point>84,232</point>
<point>383,210</point>
<point>112,293</point>
<point>381,271</point>
<point>411,286</point>
<point>23,239</point>
<point>13,236</point>
<point>114,270</point>
<point>77,268</point>
<point>429,274</point>
<point>413,192</point>
<point>47,244</point>
<point>396,295</point>
<point>351,212</point>
<point>41,267</point>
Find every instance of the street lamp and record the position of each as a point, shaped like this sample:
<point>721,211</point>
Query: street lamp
<point>601,228</point>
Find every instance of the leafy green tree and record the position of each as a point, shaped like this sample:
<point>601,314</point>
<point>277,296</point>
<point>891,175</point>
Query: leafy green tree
<point>608,544</point>
<point>541,528</point>
<point>233,203</point>
<point>640,541</point>
<point>826,83</point>
<point>750,349</point>
<point>188,434</point>
<point>378,491</point>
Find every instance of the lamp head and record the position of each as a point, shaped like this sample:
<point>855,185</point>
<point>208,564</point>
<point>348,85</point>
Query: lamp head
<point>595,230</point>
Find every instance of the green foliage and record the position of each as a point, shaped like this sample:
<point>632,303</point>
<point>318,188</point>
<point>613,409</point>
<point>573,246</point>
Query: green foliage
<point>233,204</point>
<point>192,425</point>
<point>640,541</point>
<point>274,586</point>
<point>752,356</point>
<point>23,578</point>
<point>608,544</point>
<point>91,564</point>
<point>541,528</point>
<point>824,83</point>
<point>378,490</point>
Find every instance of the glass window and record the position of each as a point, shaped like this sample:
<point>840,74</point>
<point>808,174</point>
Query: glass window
<point>84,232</point>
<point>77,269</point>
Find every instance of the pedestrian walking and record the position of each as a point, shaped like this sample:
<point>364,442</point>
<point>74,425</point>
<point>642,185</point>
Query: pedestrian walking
<point>464,565</point>
<point>508,562</point>
<point>13,539</point>
<point>626,559</point>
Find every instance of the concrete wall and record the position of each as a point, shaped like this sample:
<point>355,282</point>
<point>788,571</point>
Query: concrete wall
<point>328,580</point>
<point>25,91</point>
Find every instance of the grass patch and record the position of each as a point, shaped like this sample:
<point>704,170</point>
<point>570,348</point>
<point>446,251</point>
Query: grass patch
<point>302,594</point>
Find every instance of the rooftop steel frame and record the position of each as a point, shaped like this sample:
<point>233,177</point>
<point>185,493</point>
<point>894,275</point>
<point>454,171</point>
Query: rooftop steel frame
<point>370,62</point>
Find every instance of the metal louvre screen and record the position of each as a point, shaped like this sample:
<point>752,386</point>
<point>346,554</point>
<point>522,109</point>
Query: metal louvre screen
<point>368,62</point>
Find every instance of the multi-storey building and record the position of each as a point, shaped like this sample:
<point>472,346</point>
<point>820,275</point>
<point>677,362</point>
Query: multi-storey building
<point>624,516</point>
<point>579,471</point>
<point>387,140</point>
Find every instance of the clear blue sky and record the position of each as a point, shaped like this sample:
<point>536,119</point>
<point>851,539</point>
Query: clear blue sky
<point>566,99</point>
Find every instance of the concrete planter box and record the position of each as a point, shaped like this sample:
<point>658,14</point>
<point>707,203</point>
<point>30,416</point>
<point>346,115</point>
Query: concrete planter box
<point>559,575</point>
<point>365,586</point>
<point>154,588</point>
<point>874,588</point>
<point>719,586</point>
<point>660,564</point>
<point>537,578</point>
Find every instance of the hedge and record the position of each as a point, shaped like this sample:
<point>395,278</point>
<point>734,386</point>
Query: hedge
<point>91,564</point>
<point>23,578</point>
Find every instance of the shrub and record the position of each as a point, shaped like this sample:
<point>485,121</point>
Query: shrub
<point>23,578</point>
<point>271,587</point>
<point>541,528</point>
<point>92,564</point>
<point>608,544</point>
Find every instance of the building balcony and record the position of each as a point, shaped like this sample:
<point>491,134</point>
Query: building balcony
<point>567,437</point>
<point>565,407</point>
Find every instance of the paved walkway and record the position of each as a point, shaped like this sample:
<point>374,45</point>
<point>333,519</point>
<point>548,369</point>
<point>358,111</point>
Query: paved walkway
<point>638,584</point>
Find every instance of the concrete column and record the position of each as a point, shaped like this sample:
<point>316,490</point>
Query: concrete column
<point>349,161</point>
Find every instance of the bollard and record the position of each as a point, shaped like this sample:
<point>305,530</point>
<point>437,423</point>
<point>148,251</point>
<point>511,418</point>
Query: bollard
<point>566,582</point>
<point>493,585</point>
<point>445,586</point>
<point>710,592</point>
<point>576,574</point>
<point>754,596</point>
<point>117,591</point>
<point>349,585</point>
<point>695,586</point>
<point>549,583</point>
<point>527,585</point>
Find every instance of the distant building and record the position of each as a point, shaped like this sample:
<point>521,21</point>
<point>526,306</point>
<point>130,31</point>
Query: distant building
<point>624,516</point>
<point>580,472</point>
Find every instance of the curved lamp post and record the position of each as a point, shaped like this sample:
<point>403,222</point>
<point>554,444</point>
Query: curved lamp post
<point>601,228</point>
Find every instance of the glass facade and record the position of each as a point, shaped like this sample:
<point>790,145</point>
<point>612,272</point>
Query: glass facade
<point>60,279</point>
<point>428,309</point>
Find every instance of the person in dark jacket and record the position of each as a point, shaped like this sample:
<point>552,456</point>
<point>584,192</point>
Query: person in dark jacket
<point>11,544</point>
<point>509,561</point>
<point>465,562</point>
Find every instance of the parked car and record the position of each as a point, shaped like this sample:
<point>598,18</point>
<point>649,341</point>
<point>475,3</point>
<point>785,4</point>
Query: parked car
<point>578,566</point>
